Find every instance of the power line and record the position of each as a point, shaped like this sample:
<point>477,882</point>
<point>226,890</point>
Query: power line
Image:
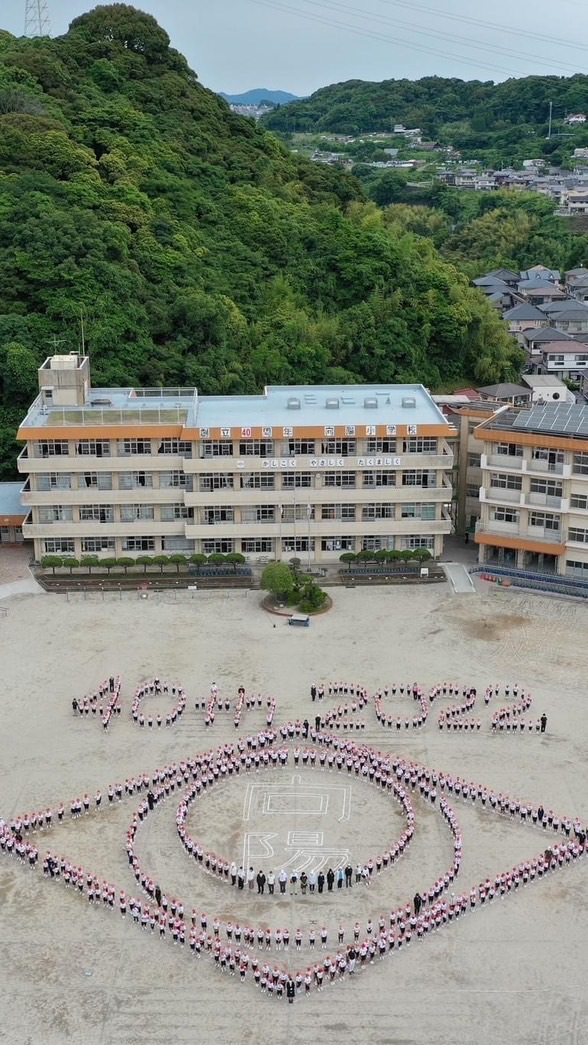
<point>37,18</point>
<point>434,33</point>
<point>526,34</point>
<point>347,27</point>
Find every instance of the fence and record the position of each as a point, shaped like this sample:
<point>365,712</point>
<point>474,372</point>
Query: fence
<point>547,582</point>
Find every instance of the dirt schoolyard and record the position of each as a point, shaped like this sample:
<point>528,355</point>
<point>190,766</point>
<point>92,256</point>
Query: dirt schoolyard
<point>511,972</point>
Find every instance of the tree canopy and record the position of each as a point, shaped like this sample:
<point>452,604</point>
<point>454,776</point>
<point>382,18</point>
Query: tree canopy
<point>193,245</point>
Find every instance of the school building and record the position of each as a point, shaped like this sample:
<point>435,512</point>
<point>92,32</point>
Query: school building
<point>534,492</point>
<point>297,471</point>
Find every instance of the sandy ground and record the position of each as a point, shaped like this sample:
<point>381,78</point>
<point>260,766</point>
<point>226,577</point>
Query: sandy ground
<point>510,973</point>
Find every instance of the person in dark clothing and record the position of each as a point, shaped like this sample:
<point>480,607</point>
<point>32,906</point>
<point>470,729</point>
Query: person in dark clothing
<point>74,705</point>
<point>317,722</point>
<point>418,902</point>
<point>330,879</point>
<point>290,991</point>
<point>157,895</point>
<point>543,721</point>
<point>313,692</point>
<point>260,883</point>
<point>320,882</point>
<point>348,876</point>
<point>150,799</point>
<point>305,728</point>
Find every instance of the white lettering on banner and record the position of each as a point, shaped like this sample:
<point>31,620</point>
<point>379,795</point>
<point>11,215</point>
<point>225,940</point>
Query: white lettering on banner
<point>379,462</point>
<point>282,462</point>
<point>327,462</point>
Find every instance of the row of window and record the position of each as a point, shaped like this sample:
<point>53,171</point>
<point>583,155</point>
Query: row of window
<point>260,545</point>
<point>298,480</point>
<point>538,453</point>
<point>227,448</point>
<point>541,519</point>
<point>128,513</point>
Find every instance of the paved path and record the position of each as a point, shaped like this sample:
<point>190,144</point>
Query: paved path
<point>459,578</point>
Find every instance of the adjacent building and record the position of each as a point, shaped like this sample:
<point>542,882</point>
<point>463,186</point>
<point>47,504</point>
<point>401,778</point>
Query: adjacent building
<point>534,489</point>
<point>298,471</point>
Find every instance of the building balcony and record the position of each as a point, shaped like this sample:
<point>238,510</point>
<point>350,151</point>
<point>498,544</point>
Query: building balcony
<point>142,528</point>
<point>510,535</point>
<point>318,528</point>
<point>319,463</point>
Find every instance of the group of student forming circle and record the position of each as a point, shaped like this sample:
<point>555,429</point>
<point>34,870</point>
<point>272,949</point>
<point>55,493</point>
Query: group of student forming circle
<point>244,950</point>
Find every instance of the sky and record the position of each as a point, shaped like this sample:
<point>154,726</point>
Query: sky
<point>301,45</point>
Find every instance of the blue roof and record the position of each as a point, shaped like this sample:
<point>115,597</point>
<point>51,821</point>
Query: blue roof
<point>10,503</point>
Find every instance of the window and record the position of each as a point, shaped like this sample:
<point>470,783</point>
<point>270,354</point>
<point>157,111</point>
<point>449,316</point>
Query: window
<point>136,512</point>
<point>418,511</point>
<point>98,544</point>
<point>102,513</point>
<point>53,481</point>
<point>127,447</point>
<point>134,480</point>
<point>257,513</point>
<point>338,544</point>
<point>509,449</point>
<point>376,544</point>
<point>139,544</point>
<point>93,448</point>
<point>379,478</point>
<point>502,481</point>
<point>257,545</point>
<point>95,481</point>
<point>580,465</point>
<point>296,512</point>
<point>175,446</point>
<point>422,446</point>
<point>175,479</point>
<point>55,513</point>
<point>258,481</point>
<point>212,516</point>
<point>474,460</point>
<point>338,511</point>
<point>298,544</point>
<point>545,520</point>
<point>213,482</point>
<point>418,478</point>
<point>215,547</point>
<point>577,569</point>
<point>410,543</point>
<point>543,453</point>
<point>550,487</point>
<point>381,446</point>
<point>299,448</point>
<point>508,515</point>
<point>346,479</point>
<point>473,490</point>
<point>178,544</point>
<point>256,448</point>
<point>52,448</point>
<point>216,448</point>
<point>297,481</point>
<point>341,447</point>
<point>577,534</point>
<point>173,512</point>
<point>378,511</point>
<point>59,546</point>
<point>578,500</point>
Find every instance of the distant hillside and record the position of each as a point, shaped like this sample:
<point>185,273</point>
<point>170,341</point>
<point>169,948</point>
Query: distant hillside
<point>473,116</point>
<point>259,94</point>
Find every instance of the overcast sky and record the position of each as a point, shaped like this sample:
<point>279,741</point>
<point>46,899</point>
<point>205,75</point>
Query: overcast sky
<point>301,45</point>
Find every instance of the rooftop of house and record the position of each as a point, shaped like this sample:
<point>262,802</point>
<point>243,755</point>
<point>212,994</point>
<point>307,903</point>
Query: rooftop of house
<point>568,304</point>
<point>526,311</point>
<point>543,381</point>
<point>563,348</point>
<point>546,334</point>
<point>504,390</point>
<point>10,504</point>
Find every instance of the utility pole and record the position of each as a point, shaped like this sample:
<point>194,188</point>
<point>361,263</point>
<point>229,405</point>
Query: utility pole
<point>37,18</point>
<point>550,120</point>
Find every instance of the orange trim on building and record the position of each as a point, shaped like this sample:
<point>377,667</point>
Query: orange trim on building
<point>551,442</point>
<point>134,431</point>
<point>520,544</point>
<point>75,432</point>
<point>12,520</point>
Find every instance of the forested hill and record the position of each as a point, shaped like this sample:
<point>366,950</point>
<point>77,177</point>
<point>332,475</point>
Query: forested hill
<point>434,103</point>
<point>196,248</point>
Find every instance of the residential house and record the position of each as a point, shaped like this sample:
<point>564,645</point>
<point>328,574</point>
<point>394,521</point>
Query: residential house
<point>507,276</point>
<point>525,317</point>
<point>507,393</point>
<point>541,272</point>
<point>12,513</point>
<point>565,360</point>
<point>545,388</point>
<point>579,289</point>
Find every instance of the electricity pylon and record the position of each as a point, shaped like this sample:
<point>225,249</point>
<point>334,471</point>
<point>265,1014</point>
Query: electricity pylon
<point>37,18</point>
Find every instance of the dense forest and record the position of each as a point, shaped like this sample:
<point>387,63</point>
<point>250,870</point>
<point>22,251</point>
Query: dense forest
<point>193,245</point>
<point>499,123</point>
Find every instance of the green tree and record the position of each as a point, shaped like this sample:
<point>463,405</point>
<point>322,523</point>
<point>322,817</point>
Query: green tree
<point>278,580</point>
